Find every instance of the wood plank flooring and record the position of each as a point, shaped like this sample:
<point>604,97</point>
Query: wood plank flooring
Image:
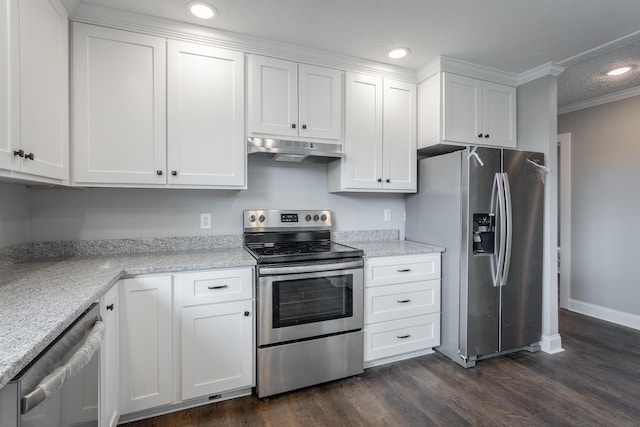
<point>594,382</point>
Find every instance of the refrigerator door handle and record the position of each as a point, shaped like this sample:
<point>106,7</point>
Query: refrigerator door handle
<point>498,200</point>
<point>509,230</point>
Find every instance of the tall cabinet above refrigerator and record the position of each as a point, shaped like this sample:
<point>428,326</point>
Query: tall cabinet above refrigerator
<point>485,206</point>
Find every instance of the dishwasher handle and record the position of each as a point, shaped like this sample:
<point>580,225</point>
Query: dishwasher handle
<point>53,382</point>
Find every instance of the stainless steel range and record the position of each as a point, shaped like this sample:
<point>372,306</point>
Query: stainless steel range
<point>309,300</point>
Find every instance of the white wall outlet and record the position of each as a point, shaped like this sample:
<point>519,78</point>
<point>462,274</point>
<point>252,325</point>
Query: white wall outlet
<point>387,215</point>
<point>205,221</point>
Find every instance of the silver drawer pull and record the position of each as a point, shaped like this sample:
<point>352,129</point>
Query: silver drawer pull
<point>404,270</point>
<point>218,287</point>
<point>403,301</point>
<point>402,337</point>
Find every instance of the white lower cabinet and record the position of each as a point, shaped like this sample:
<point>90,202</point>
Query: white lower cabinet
<point>217,338</point>
<point>110,359</point>
<point>185,339</point>
<point>401,307</point>
<point>146,340</point>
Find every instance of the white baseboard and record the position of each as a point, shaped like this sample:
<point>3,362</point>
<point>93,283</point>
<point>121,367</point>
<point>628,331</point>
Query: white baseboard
<point>604,313</point>
<point>551,344</point>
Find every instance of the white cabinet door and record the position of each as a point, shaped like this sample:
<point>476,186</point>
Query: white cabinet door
<point>320,103</point>
<point>119,104</point>
<point>499,114</point>
<point>44,88</point>
<point>462,117</point>
<point>273,91</point>
<point>206,140</point>
<point>217,348</point>
<point>362,164</point>
<point>146,343</point>
<point>110,359</point>
<point>9,136</point>
<point>399,147</point>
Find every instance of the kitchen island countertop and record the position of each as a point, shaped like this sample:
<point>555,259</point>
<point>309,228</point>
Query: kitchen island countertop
<point>39,300</point>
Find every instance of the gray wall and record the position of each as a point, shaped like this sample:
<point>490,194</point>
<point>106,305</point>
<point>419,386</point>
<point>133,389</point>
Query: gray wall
<point>537,131</point>
<point>104,213</point>
<point>14,214</point>
<point>605,204</point>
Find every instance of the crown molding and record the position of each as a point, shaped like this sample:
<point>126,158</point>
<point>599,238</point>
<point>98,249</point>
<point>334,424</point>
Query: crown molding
<point>547,69</point>
<point>130,21</point>
<point>605,99</point>
<point>457,66</point>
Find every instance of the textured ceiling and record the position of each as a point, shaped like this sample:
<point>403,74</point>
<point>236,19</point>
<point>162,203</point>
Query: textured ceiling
<point>509,35</point>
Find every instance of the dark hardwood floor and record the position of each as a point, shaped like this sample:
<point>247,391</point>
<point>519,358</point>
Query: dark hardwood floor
<point>594,382</point>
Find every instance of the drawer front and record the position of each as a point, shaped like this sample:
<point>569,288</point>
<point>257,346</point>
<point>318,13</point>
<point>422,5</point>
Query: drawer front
<point>392,338</point>
<point>215,286</point>
<point>392,302</point>
<point>401,269</point>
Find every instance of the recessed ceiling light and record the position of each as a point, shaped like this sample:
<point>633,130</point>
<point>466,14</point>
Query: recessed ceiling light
<point>398,53</point>
<point>618,71</point>
<point>201,10</point>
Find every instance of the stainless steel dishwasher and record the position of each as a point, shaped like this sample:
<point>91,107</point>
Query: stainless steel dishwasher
<point>60,387</point>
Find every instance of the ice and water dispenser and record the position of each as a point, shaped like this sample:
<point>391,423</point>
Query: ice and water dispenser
<point>484,233</point>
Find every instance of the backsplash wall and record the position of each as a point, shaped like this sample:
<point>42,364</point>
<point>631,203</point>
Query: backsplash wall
<point>14,215</point>
<point>108,213</point>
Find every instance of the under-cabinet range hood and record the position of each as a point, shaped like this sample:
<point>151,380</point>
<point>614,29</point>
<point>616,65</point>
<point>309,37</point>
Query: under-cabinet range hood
<point>294,151</point>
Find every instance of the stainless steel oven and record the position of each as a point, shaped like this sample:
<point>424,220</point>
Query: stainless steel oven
<point>309,300</point>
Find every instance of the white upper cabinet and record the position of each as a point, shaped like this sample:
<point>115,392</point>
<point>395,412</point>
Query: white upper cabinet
<point>34,73</point>
<point>464,110</point>
<point>380,137</point>
<point>293,100</point>
<point>148,113</point>
<point>119,114</point>
<point>206,141</point>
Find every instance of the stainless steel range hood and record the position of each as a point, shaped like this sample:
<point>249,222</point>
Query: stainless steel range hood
<point>294,151</point>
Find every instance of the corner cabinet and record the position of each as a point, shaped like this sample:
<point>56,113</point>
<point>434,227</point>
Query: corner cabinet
<point>293,101</point>
<point>380,137</point>
<point>34,91</point>
<point>401,307</point>
<point>467,111</point>
<point>155,113</point>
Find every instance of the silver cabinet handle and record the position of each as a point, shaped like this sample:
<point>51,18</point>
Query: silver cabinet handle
<point>403,301</point>
<point>52,383</point>
<point>404,270</point>
<point>217,287</point>
<point>402,337</point>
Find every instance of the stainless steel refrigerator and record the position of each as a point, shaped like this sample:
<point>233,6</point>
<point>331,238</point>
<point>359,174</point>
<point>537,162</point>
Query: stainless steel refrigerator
<point>485,206</point>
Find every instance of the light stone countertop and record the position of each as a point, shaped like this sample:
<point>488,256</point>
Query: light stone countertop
<point>393,248</point>
<point>39,300</point>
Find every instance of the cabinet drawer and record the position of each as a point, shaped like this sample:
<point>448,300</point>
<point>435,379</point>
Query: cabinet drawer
<point>395,337</point>
<point>382,303</point>
<point>400,269</point>
<point>214,286</point>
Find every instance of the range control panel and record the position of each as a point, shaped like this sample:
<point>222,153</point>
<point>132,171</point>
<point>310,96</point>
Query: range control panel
<point>257,220</point>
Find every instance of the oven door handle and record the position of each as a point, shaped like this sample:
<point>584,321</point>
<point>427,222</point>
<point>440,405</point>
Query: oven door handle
<point>309,268</point>
<point>52,383</point>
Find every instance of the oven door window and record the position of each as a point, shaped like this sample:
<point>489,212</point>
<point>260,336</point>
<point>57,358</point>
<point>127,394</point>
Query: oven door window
<point>310,300</point>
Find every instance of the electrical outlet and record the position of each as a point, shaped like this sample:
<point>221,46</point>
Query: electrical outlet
<point>387,215</point>
<point>205,221</point>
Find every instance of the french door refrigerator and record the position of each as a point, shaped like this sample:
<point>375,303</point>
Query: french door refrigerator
<point>485,206</point>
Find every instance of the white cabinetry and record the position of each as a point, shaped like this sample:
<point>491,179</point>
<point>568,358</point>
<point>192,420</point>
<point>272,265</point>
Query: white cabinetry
<point>464,110</point>
<point>34,91</point>
<point>216,323</point>
<point>110,359</point>
<point>380,137</point>
<point>148,113</point>
<point>146,342</point>
<point>401,307</point>
<point>292,100</point>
